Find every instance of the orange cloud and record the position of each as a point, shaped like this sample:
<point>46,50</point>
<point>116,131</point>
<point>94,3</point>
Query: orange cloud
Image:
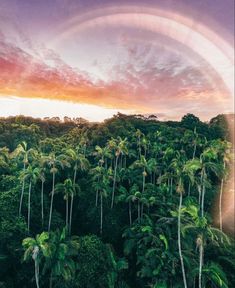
<point>145,90</point>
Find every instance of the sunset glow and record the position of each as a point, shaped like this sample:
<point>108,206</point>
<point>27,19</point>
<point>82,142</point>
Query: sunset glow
<point>119,58</point>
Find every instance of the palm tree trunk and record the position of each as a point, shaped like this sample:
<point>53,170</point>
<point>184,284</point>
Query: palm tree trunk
<point>189,189</point>
<point>52,198</point>
<point>42,203</point>
<point>22,192</point>
<point>29,196</point>
<point>50,284</point>
<point>96,197</point>
<point>72,198</point>
<point>114,181</point>
<point>194,150</point>
<point>171,186</point>
<point>200,264</point>
<point>101,213</point>
<point>71,214</point>
<point>220,203</point>
<point>67,214</point>
<point>179,242</point>
<point>130,213</point>
<point>36,264</point>
<point>143,181</point>
<point>203,199</point>
<point>200,188</point>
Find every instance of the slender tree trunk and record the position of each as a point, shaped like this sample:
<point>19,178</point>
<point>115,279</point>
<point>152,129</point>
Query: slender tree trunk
<point>203,199</point>
<point>71,213</point>
<point>75,175</point>
<point>121,161</point>
<point>51,280</point>
<point>29,206</point>
<point>194,150</point>
<point>101,213</point>
<point>189,189</point>
<point>22,192</point>
<point>130,213</point>
<point>96,197</point>
<point>67,214</point>
<point>36,266</point>
<point>72,198</point>
<point>114,181</point>
<point>52,199</point>
<point>179,242</point>
<point>200,189</point>
<point>143,181</point>
<point>42,203</point>
<point>220,203</point>
<point>171,186</point>
<point>201,252</point>
<point>139,147</point>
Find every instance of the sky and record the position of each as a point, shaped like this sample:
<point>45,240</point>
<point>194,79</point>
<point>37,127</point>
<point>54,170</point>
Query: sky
<point>91,59</point>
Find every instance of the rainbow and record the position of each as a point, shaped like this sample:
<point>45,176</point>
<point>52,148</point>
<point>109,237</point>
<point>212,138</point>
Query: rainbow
<point>204,42</point>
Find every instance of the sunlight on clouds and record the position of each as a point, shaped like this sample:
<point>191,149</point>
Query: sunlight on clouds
<point>12,106</point>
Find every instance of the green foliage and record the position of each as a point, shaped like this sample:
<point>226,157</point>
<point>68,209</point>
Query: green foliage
<point>117,186</point>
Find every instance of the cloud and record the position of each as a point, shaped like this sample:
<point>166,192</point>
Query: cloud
<point>151,80</point>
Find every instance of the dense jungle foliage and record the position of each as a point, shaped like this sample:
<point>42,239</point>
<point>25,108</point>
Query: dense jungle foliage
<point>124,203</point>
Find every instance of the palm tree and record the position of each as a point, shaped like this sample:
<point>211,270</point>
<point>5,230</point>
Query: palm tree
<point>35,248</point>
<point>119,146</point>
<point>56,250</point>
<point>59,260</point>
<point>139,135</point>
<point>224,149</point>
<point>207,165</point>
<point>146,166</point>
<point>42,177</point>
<point>199,228</point>
<point>4,159</point>
<point>54,162</point>
<point>23,151</point>
<point>67,189</point>
<point>103,154</point>
<point>31,174</point>
<point>127,196</point>
<point>79,162</point>
<point>178,166</point>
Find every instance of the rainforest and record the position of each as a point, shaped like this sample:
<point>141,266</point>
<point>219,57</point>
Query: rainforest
<point>131,202</point>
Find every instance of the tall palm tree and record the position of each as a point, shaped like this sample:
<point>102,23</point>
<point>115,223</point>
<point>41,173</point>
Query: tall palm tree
<point>103,154</point>
<point>31,174</point>
<point>42,176</point>
<point>20,152</point>
<point>178,166</point>
<point>54,163</point>
<point>119,146</point>
<point>35,248</point>
<point>224,150</point>
<point>204,233</point>
<point>60,252</point>
<point>208,164</point>
<point>67,189</point>
<point>79,162</point>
